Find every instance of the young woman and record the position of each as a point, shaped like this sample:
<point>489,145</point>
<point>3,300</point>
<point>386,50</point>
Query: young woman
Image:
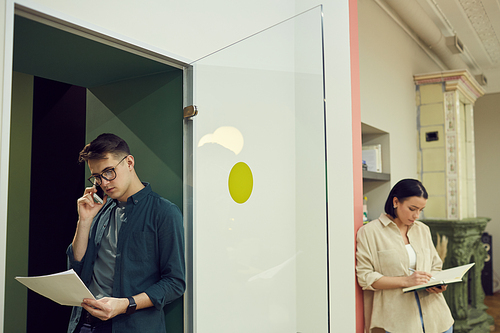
<point>394,252</point>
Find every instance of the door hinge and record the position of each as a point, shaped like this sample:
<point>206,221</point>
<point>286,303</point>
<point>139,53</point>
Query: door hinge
<point>190,111</point>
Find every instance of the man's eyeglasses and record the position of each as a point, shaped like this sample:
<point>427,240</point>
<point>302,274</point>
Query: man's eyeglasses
<point>108,175</point>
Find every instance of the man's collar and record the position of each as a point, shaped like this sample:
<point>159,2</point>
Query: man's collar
<point>138,196</point>
<point>135,198</point>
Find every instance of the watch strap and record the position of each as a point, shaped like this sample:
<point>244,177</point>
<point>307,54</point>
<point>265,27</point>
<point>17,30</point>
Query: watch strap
<point>131,306</point>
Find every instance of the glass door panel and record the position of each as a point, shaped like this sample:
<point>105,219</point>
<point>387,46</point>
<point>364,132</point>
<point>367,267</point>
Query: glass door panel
<point>259,228</point>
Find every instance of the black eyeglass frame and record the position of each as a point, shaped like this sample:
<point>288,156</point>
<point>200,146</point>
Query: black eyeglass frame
<point>98,178</point>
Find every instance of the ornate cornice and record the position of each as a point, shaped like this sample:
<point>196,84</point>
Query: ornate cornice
<point>457,80</point>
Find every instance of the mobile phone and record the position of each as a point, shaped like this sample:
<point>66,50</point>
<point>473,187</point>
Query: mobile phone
<point>98,195</point>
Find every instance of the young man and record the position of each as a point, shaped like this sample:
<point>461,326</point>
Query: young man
<point>129,250</point>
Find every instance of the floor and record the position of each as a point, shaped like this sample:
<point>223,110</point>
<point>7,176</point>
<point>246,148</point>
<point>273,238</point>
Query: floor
<point>493,304</point>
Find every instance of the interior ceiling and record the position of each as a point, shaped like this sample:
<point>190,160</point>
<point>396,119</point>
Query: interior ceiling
<point>51,53</point>
<point>477,25</point>
<point>47,52</point>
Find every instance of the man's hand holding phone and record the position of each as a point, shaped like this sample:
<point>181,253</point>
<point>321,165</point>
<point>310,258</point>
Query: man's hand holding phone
<point>89,205</point>
<point>98,195</point>
<point>87,210</point>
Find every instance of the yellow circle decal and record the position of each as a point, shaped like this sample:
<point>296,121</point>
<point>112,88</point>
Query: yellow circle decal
<point>240,182</point>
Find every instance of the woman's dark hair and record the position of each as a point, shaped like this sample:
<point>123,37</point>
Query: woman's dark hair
<point>102,145</point>
<point>403,189</point>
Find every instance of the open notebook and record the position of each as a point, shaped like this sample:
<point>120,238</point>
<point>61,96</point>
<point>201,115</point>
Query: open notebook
<point>65,288</point>
<point>451,275</point>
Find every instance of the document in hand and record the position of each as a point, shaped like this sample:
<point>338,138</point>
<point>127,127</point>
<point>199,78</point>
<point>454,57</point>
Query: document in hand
<point>65,288</point>
<point>451,275</point>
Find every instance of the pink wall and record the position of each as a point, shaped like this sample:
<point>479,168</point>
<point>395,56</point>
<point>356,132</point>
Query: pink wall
<point>356,143</point>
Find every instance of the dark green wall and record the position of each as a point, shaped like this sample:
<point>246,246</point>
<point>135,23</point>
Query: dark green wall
<point>58,133</point>
<point>41,132</point>
<point>19,203</point>
<point>147,113</point>
<point>45,51</point>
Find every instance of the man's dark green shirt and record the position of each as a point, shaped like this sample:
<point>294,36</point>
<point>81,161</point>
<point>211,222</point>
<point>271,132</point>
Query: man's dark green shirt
<point>149,258</point>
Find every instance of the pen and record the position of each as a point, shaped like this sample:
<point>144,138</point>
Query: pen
<point>411,269</point>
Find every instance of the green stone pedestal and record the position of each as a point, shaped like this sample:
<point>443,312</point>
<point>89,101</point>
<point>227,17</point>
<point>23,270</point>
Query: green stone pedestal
<point>466,299</point>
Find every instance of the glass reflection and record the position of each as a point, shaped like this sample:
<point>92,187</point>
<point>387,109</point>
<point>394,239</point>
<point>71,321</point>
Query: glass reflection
<point>227,136</point>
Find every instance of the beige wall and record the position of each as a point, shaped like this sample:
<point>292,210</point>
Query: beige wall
<point>487,124</point>
<point>389,58</point>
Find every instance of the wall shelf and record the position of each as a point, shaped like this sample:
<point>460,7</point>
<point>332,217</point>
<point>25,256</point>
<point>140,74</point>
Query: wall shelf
<point>374,136</point>
<point>375,176</point>
<point>376,185</point>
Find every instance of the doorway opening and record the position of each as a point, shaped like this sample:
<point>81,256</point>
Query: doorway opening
<point>70,85</point>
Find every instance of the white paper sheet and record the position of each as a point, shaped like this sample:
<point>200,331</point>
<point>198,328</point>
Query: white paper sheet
<point>453,274</point>
<point>65,288</point>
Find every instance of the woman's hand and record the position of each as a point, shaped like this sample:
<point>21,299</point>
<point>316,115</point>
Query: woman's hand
<point>418,277</point>
<point>437,290</point>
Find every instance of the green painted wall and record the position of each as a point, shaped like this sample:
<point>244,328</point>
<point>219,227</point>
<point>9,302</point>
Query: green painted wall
<point>19,203</point>
<point>147,113</point>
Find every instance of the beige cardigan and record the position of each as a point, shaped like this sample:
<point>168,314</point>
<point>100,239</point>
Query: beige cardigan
<point>381,251</point>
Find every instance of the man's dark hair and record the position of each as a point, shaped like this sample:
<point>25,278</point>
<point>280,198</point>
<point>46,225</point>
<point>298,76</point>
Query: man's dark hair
<point>102,145</point>
<point>404,189</point>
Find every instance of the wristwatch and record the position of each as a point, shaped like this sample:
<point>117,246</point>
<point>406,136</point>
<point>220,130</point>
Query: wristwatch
<point>131,306</point>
